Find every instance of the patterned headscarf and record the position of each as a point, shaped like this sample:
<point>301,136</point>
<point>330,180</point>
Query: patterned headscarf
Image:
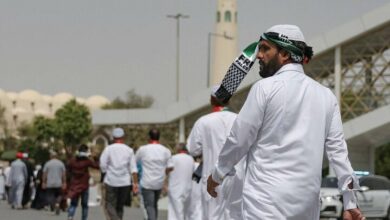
<point>291,39</point>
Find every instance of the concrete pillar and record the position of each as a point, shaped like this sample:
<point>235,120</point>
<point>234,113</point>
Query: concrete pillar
<point>182,130</point>
<point>337,85</point>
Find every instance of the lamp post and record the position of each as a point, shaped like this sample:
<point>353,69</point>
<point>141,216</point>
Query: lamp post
<point>208,51</point>
<point>178,16</point>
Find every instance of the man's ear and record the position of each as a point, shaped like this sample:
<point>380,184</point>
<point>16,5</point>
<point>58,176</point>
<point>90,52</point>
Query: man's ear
<point>284,55</point>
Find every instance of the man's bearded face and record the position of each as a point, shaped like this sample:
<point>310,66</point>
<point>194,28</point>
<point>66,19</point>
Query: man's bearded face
<point>270,68</point>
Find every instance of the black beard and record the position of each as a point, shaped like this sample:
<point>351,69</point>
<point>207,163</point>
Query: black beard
<point>268,70</point>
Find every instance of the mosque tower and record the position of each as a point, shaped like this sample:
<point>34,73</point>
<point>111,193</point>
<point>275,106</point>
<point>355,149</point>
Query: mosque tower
<point>224,39</point>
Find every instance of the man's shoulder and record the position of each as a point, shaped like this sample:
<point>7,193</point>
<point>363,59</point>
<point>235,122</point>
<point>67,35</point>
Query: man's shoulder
<point>57,162</point>
<point>162,147</point>
<point>119,147</point>
<point>217,115</point>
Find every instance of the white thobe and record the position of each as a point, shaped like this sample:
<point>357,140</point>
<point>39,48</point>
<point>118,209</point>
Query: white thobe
<point>118,162</point>
<point>179,186</point>
<point>283,127</point>
<point>207,138</point>
<point>18,176</point>
<point>154,160</point>
<point>2,184</point>
<point>195,200</point>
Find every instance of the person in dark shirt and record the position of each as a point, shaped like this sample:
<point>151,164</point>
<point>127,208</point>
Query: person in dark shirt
<point>79,181</point>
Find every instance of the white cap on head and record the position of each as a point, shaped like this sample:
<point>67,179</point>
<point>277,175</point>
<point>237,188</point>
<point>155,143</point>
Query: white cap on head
<point>214,89</point>
<point>25,155</point>
<point>292,32</point>
<point>118,133</point>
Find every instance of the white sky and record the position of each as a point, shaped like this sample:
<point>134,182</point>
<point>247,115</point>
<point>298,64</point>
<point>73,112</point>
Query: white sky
<point>88,47</point>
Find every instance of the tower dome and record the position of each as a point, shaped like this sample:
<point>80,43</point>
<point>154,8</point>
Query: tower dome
<point>96,101</point>
<point>30,95</point>
<point>60,99</point>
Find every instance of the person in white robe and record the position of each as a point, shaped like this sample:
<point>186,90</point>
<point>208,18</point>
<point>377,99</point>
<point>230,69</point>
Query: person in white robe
<point>286,123</point>
<point>207,137</point>
<point>179,171</point>
<point>195,205</point>
<point>18,178</point>
<point>2,183</point>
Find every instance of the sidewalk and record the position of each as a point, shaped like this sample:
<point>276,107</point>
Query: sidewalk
<point>95,213</point>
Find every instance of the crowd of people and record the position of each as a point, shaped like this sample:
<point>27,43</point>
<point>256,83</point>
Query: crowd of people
<point>263,163</point>
<point>54,185</point>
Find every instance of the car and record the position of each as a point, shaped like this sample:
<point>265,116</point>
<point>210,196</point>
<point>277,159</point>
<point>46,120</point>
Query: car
<point>373,198</point>
<point>331,200</point>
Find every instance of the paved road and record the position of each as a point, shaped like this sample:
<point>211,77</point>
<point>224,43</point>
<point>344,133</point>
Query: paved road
<point>95,213</point>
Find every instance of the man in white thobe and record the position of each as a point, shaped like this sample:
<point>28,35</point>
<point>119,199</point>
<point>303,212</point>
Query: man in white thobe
<point>154,160</point>
<point>207,138</point>
<point>179,169</point>
<point>285,124</point>
<point>195,199</point>
<point>118,163</point>
<point>18,178</point>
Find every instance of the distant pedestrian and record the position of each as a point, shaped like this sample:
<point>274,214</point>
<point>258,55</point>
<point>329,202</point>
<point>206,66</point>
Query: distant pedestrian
<point>7,172</point>
<point>18,178</point>
<point>39,201</point>
<point>79,181</point>
<point>29,181</point>
<point>54,181</point>
<point>179,171</point>
<point>154,159</point>
<point>118,163</point>
<point>2,183</point>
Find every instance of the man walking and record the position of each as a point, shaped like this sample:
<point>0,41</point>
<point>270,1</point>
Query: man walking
<point>18,178</point>
<point>154,159</point>
<point>54,181</point>
<point>79,181</point>
<point>180,169</point>
<point>207,138</point>
<point>118,163</point>
<point>286,123</point>
<point>29,181</point>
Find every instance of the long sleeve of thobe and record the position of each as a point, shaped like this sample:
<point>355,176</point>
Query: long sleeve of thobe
<point>133,164</point>
<point>104,161</point>
<point>194,141</point>
<point>243,133</point>
<point>336,149</point>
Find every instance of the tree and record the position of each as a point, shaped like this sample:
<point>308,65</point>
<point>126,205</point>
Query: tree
<point>73,125</point>
<point>45,129</point>
<point>133,100</point>
<point>382,160</point>
<point>3,121</point>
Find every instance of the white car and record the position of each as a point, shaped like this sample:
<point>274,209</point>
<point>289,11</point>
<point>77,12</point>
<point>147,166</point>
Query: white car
<point>373,199</point>
<point>331,200</point>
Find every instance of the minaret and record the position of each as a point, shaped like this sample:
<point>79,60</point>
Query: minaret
<point>225,39</point>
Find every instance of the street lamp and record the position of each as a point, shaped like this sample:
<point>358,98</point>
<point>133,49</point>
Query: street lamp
<point>208,51</point>
<point>178,16</point>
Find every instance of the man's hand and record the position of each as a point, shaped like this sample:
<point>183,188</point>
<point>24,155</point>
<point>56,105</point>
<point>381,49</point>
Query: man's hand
<point>353,214</point>
<point>135,188</point>
<point>165,189</point>
<point>211,185</point>
<point>63,187</point>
